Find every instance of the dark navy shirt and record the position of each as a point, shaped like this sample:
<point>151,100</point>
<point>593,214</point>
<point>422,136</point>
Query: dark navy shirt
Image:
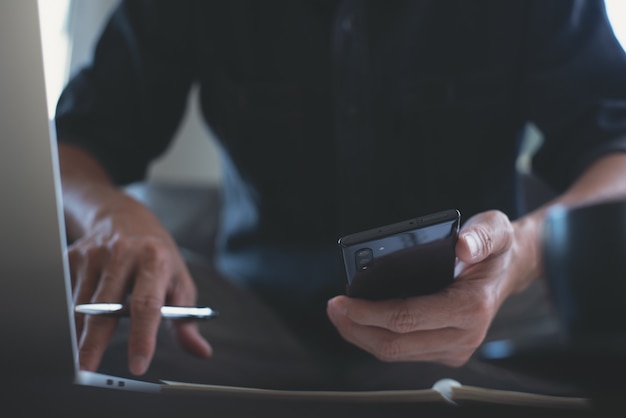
<point>335,116</point>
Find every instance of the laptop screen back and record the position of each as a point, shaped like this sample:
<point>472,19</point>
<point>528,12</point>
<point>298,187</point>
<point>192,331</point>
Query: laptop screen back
<point>34,292</point>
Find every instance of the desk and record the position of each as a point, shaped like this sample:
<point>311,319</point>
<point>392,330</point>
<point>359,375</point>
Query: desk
<point>267,355</point>
<point>40,399</point>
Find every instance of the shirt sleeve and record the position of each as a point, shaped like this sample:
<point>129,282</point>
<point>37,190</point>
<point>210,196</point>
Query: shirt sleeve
<point>125,106</point>
<point>576,88</point>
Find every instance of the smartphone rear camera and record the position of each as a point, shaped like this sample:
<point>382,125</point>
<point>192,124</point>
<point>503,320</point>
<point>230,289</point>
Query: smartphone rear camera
<point>363,257</point>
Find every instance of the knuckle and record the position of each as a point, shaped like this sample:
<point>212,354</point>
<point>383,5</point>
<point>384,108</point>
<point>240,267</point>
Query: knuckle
<point>485,239</point>
<point>154,251</point>
<point>120,248</point>
<point>145,305</point>
<point>402,319</point>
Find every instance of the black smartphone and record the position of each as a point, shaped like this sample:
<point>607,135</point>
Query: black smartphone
<point>409,258</point>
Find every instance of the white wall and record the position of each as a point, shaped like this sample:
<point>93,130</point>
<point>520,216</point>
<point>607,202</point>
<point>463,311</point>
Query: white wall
<point>192,157</point>
<point>616,10</point>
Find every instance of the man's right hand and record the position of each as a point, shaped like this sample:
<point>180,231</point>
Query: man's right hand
<point>119,252</point>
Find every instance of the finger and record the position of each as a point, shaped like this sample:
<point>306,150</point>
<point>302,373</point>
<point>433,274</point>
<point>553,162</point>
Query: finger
<point>97,332</point>
<point>431,345</point>
<point>187,333</point>
<point>188,336</point>
<point>451,307</point>
<point>486,234</point>
<point>75,261</point>
<point>88,272</point>
<point>147,298</point>
<point>111,287</point>
<point>84,273</point>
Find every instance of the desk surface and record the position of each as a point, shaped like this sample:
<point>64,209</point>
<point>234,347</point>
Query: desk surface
<point>191,215</point>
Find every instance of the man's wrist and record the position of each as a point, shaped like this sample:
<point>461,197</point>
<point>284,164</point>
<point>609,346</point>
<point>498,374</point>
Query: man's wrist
<point>528,254</point>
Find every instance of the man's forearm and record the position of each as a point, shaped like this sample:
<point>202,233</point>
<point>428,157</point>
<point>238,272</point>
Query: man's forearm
<point>603,180</point>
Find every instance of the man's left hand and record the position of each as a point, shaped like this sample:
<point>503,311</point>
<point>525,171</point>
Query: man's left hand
<point>448,326</point>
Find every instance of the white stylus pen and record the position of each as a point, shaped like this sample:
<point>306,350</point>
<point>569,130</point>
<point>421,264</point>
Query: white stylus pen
<point>169,312</point>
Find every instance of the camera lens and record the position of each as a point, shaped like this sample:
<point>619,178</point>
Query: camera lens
<point>363,257</point>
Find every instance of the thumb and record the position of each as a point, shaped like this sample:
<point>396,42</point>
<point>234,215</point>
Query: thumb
<point>484,235</point>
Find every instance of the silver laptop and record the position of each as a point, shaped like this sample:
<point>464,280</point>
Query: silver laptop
<point>37,325</point>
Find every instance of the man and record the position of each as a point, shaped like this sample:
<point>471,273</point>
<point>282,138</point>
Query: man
<point>332,117</point>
